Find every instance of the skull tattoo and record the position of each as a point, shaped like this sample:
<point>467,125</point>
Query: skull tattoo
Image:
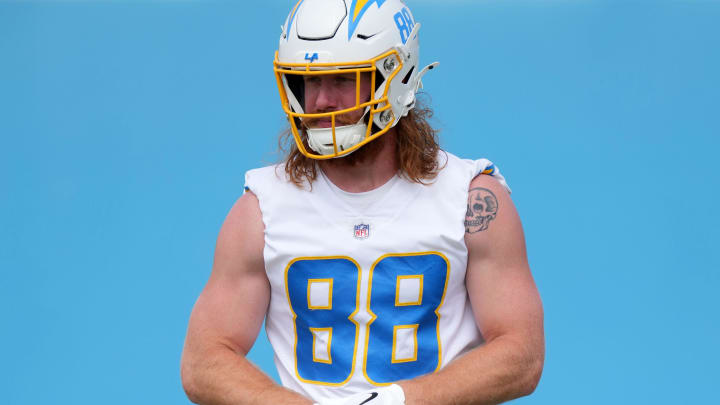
<point>482,208</point>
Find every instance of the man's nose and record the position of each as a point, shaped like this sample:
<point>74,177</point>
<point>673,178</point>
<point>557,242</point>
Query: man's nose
<point>326,96</point>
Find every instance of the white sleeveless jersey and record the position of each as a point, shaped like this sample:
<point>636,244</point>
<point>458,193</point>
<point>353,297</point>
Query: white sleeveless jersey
<point>360,299</point>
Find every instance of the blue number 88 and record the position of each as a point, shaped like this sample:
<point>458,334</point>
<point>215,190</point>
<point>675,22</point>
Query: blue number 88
<point>327,335</point>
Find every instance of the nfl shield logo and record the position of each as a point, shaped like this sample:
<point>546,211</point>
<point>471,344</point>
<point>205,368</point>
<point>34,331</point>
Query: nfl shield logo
<point>362,231</point>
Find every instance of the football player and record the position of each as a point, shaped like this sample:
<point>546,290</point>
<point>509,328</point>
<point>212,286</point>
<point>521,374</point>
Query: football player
<point>387,270</point>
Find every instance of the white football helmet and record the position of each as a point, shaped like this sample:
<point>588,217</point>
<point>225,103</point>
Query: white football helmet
<point>323,37</point>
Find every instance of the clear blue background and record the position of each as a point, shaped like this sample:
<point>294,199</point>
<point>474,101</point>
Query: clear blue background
<point>126,128</point>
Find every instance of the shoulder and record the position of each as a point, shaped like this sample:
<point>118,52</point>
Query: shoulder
<point>269,180</point>
<point>256,178</point>
<point>469,169</point>
<point>490,182</point>
<point>492,223</point>
<point>486,197</point>
<point>241,238</point>
<point>245,209</point>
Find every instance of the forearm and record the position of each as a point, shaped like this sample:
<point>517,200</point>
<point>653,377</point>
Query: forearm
<point>498,371</point>
<point>222,377</point>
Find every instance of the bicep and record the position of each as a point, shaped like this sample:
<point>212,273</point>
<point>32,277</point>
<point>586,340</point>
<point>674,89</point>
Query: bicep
<point>502,292</point>
<point>232,306</point>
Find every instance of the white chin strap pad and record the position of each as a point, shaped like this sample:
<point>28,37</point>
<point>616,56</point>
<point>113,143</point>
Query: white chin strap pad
<point>347,136</point>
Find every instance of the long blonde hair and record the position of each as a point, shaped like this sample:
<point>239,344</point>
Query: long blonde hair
<point>416,148</point>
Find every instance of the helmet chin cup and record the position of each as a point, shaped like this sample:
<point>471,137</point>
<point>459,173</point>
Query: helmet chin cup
<point>346,136</point>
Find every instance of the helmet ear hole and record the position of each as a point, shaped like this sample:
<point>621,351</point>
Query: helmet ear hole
<point>408,75</point>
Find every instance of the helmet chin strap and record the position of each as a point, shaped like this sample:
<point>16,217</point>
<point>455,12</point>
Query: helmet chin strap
<point>346,136</point>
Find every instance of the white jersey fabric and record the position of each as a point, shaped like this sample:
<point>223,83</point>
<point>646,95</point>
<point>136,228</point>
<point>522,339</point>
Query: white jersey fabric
<point>366,288</point>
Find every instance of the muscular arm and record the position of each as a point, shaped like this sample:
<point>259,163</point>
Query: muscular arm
<point>507,310</point>
<point>227,317</point>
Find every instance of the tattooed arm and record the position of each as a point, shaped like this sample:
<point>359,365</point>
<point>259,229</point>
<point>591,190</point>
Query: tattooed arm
<point>482,208</point>
<point>507,310</point>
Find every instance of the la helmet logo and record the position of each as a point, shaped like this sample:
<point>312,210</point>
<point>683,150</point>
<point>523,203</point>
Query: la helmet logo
<point>312,58</point>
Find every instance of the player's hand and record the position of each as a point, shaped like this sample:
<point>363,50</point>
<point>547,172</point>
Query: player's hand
<point>390,395</point>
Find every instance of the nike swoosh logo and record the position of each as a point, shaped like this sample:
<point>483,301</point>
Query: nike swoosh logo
<point>366,37</point>
<point>372,396</point>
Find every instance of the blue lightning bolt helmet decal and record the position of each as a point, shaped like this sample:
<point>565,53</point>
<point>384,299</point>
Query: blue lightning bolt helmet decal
<point>292,17</point>
<point>357,9</point>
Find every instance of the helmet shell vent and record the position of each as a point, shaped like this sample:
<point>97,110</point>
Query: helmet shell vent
<point>320,19</point>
